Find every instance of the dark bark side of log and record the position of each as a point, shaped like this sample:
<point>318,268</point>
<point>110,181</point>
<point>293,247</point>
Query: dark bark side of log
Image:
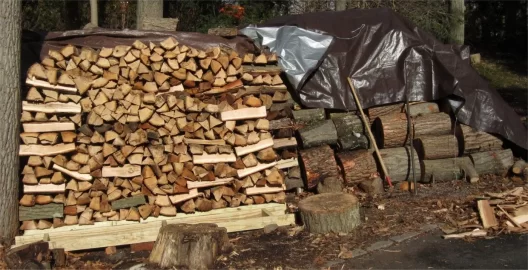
<point>280,123</point>
<point>329,185</point>
<point>441,170</point>
<point>384,110</point>
<point>432,124</point>
<point>496,162</point>
<point>474,141</point>
<point>398,163</point>
<point>28,256</point>
<point>318,163</point>
<point>350,131</point>
<point>423,108</point>
<point>330,212</point>
<point>357,166</point>
<point>437,147</point>
<point>192,246</point>
<point>128,202</point>
<point>318,133</point>
<point>353,142</point>
<point>48,211</point>
<point>391,130</point>
<point>307,117</point>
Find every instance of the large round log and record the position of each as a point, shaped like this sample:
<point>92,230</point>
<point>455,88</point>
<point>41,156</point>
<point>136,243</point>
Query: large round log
<point>350,131</point>
<point>398,163</point>
<point>319,163</point>
<point>191,246</point>
<point>318,133</point>
<point>474,141</point>
<point>309,116</point>
<point>496,162</point>
<point>437,147</point>
<point>391,130</point>
<point>353,141</point>
<point>384,110</point>
<point>432,124</point>
<point>423,108</point>
<point>357,166</point>
<point>442,170</point>
<point>330,212</point>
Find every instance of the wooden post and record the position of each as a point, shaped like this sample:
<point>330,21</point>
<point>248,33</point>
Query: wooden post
<point>148,9</point>
<point>94,16</point>
<point>10,114</point>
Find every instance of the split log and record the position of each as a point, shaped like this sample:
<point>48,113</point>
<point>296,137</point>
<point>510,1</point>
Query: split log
<point>391,130</point>
<point>46,150</point>
<point>244,150</point>
<point>216,182</point>
<point>318,133</point>
<point>47,211</point>
<point>398,163</point>
<point>52,107</point>
<point>207,159</point>
<point>357,166</point>
<point>319,163</point>
<point>437,147</point>
<point>287,163</point>
<point>262,190</point>
<point>474,141</point>
<point>127,171</point>
<point>44,188</point>
<point>128,202</point>
<point>432,124</point>
<point>496,162</point>
<point>76,175</point>
<point>245,113</point>
<point>284,143</point>
<point>487,215</point>
<point>330,212</point>
<point>48,127</point>
<point>247,171</point>
<point>385,110</point>
<point>192,246</point>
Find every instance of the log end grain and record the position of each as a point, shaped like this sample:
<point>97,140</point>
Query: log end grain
<point>330,212</point>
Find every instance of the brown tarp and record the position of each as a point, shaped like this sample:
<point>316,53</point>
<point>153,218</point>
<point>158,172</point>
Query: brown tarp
<point>391,60</point>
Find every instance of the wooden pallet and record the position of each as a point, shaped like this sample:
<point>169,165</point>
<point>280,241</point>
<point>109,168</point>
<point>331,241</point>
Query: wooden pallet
<point>116,233</point>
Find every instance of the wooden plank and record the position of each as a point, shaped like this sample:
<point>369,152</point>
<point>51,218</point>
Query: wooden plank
<point>487,215</point>
<point>47,85</point>
<point>51,210</point>
<point>287,163</point>
<point>204,142</point>
<point>128,202</point>
<point>247,171</point>
<point>202,184</point>
<point>48,127</point>
<point>216,158</point>
<point>52,107</point>
<point>263,190</point>
<point>76,175</point>
<point>260,70</point>
<point>193,193</point>
<point>44,188</point>
<point>284,142</point>
<point>245,113</point>
<point>127,171</point>
<point>116,233</point>
<point>244,150</point>
<point>45,150</point>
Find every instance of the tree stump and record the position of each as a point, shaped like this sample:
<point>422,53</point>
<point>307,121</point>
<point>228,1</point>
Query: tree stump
<point>330,212</point>
<point>192,246</point>
<point>357,166</point>
<point>422,108</point>
<point>318,133</point>
<point>437,147</point>
<point>319,163</point>
<point>384,110</point>
<point>398,163</point>
<point>391,130</point>
<point>496,162</point>
<point>474,141</point>
<point>432,124</point>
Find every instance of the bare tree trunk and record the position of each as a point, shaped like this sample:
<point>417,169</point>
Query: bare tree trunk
<point>148,8</point>
<point>457,22</point>
<point>9,117</point>
<point>94,19</point>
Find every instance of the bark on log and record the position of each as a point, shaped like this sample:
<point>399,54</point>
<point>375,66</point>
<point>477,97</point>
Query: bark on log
<point>518,166</point>
<point>441,170</point>
<point>384,110</point>
<point>437,147</point>
<point>423,108</point>
<point>496,162</point>
<point>28,256</point>
<point>318,133</point>
<point>330,212</point>
<point>474,141</point>
<point>307,117</point>
<point>10,11</point>
<point>319,163</point>
<point>47,211</point>
<point>398,163</point>
<point>353,142</point>
<point>330,185</point>
<point>391,130</point>
<point>191,246</point>
<point>357,166</point>
<point>432,124</point>
<point>350,131</point>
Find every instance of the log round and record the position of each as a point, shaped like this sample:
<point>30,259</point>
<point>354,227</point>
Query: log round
<point>474,141</point>
<point>330,212</point>
<point>318,133</point>
<point>191,246</point>
<point>398,163</point>
<point>384,110</point>
<point>496,162</point>
<point>357,166</point>
<point>437,147</point>
<point>391,130</point>
<point>442,170</point>
<point>350,131</point>
<point>319,163</point>
<point>423,108</point>
<point>432,124</point>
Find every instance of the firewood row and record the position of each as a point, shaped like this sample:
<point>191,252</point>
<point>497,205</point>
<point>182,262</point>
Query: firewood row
<point>133,132</point>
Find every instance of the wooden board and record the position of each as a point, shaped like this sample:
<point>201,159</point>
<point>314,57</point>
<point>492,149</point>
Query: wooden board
<point>284,142</point>
<point>51,210</point>
<point>52,107</point>
<point>244,150</point>
<point>487,215</point>
<point>263,190</point>
<point>247,171</point>
<point>216,158</point>
<point>126,171</point>
<point>245,113</point>
<point>48,127</point>
<point>45,150</point>
<point>116,233</point>
<point>202,184</point>
<point>44,188</point>
<point>287,163</point>
<point>47,85</point>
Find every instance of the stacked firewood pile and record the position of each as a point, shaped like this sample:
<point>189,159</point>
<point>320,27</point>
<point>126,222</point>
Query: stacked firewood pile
<point>139,131</point>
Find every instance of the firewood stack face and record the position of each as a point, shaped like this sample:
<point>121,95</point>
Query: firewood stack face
<point>139,131</point>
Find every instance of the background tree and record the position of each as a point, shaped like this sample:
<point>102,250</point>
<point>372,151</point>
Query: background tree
<point>457,9</point>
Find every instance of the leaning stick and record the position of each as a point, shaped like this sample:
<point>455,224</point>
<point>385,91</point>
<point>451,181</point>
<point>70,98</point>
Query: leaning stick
<point>367,127</point>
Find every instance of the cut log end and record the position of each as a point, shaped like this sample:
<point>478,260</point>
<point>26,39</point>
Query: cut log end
<point>330,212</point>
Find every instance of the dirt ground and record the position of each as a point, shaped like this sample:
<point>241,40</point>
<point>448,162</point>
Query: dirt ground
<point>383,216</point>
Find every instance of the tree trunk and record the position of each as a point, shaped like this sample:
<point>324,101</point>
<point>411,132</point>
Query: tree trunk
<point>398,163</point>
<point>148,9</point>
<point>437,147</point>
<point>9,116</point>
<point>94,19</point>
<point>473,141</point>
<point>319,163</point>
<point>340,5</point>
<point>357,166</point>
<point>457,22</point>
<point>330,212</point>
<point>493,162</point>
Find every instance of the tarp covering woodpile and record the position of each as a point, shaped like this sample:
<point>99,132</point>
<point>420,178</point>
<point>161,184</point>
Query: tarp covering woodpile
<point>391,60</point>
